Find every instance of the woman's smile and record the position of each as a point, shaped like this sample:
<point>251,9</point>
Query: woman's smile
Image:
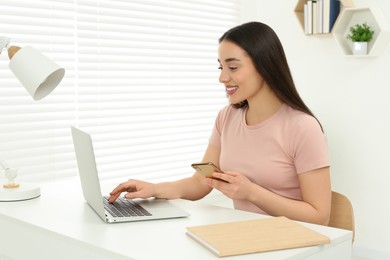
<point>230,90</point>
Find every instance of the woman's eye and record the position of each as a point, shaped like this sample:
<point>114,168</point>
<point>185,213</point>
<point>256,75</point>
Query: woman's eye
<point>230,68</point>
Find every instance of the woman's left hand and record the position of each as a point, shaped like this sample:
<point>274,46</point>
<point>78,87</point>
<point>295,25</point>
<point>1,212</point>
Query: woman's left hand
<point>234,185</point>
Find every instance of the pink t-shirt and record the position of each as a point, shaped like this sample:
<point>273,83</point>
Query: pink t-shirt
<point>271,153</point>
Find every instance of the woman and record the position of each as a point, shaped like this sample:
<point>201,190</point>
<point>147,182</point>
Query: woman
<point>267,142</point>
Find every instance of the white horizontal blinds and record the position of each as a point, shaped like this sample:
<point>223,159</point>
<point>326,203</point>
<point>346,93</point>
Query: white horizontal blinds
<point>148,82</point>
<point>141,77</point>
<point>34,135</point>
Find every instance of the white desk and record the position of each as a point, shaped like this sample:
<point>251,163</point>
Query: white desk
<point>60,225</point>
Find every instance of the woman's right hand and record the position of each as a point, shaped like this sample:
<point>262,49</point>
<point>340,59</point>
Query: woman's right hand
<point>134,189</point>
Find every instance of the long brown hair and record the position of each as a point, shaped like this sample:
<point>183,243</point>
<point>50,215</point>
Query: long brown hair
<point>266,51</point>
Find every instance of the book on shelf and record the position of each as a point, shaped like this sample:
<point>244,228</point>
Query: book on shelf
<point>253,236</point>
<point>326,15</point>
<point>308,17</point>
<point>320,15</point>
<point>315,17</point>
<point>333,12</point>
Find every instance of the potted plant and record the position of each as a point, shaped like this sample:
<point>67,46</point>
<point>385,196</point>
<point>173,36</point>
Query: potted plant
<point>360,34</point>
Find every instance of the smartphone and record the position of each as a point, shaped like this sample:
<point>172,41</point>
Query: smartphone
<point>206,169</point>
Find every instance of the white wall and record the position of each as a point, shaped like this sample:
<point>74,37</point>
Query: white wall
<point>351,98</point>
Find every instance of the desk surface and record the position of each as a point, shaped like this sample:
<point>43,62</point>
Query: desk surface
<point>60,225</point>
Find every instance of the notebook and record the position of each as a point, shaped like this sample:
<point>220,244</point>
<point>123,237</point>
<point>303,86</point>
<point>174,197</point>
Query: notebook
<point>252,236</point>
<point>149,209</point>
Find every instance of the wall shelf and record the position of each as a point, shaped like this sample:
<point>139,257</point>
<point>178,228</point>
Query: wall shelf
<point>370,15</point>
<point>300,16</point>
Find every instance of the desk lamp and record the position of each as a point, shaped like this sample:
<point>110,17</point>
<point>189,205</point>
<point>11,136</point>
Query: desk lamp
<point>40,76</point>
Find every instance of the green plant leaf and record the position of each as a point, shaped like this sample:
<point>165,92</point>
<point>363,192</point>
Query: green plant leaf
<point>360,33</point>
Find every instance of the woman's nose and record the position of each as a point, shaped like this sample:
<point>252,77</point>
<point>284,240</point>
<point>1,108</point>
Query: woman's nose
<point>223,77</point>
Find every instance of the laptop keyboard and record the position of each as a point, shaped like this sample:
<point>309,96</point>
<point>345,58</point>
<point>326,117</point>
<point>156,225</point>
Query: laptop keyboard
<point>124,208</point>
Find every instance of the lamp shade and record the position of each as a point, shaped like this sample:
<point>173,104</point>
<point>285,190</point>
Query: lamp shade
<point>37,73</point>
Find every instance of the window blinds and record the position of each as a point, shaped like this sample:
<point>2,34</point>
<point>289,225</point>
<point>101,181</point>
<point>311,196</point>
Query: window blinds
<point>141,78</point>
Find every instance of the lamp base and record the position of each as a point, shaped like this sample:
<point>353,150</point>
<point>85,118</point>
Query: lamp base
<point>25,191</point>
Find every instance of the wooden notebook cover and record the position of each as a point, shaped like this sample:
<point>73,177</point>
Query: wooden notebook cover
<point>252,236</point>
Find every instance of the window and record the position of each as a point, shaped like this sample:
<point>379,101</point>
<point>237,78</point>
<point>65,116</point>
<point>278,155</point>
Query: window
<point>141,77</point>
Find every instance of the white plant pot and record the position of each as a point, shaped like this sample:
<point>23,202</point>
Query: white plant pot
<point>359,48</point>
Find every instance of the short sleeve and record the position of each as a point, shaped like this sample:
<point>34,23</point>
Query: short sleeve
<point>311,149</point>
<point>215,138</point>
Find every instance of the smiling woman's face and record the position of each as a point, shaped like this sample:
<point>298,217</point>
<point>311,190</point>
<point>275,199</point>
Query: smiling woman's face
<point>238,73</point>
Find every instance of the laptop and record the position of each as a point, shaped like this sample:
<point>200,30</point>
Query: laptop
<point>122,210</point>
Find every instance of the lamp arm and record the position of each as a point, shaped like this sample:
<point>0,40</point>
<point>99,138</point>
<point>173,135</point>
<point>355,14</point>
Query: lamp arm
<point>10,174</point>
<point>3,164</point>
<point>4,42</point>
